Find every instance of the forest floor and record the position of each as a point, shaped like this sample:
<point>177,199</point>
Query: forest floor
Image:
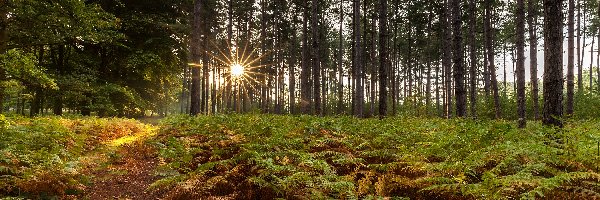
<point>122,169</point>
<point>295,157</point>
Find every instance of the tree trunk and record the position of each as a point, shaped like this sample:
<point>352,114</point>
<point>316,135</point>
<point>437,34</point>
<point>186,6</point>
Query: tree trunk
<point>315,58</point>
<point>571,57</point>
<point>490,56</point>
<point>292,69</point>
<point>579,57</point>
<point>383,58</point>
<point>357,63</point>
<point>533,42</point>
<point>196,55</point>
<point>447,59</point>
<point>340,94</point>
<point>305,89</point>
<point>473,57</point>
<point>520,40</point>
<point>459,70</point>
<point>553,63</point>
<point>3,43</point>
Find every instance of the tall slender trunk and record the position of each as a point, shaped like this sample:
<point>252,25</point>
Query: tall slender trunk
<point>383,58</point>
<point>315,58</point>
<point>533,42</point>
<point>305,102</point>
<point>520,40</point>
<point>340,94</point>
<point>447,59</point>
<point>553,62</point>
<point>490,57</point>
<point>571,57</point>
<point>196,56</point>
<point>473,57</point>
<point>3,42</point>
<point>357,63</point>
<point>292,70</point>
<point>459,70</point>
<point>592,63</point>
<point>598,57</point>
<point>579,57</point>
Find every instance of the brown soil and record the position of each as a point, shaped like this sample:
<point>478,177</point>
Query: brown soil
<point>126,177</point>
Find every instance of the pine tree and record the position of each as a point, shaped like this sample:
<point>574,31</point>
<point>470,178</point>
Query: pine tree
<point>553,63</point>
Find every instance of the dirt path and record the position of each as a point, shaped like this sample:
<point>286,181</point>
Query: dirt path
<point>122,171</point>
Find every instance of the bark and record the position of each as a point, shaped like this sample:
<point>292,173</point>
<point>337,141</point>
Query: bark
<point>447,60</point>
<point>305,89</point>
<point>490,56</point>
<point>473,57</point>
<point>520,68</point>
<point>383,58</point>
<point>340,94</point>
<point>553,63</point>
<point>571,57</point>
<point>592,63</point>
<point>3,43</point>
<point>598,57</point>
<point>292,69</point>
<point>459,70</point>
<point>196,56</point>
<point>316,58</point>
<point>533,42</point>
<point>357,63</point>
<point>579,57</point>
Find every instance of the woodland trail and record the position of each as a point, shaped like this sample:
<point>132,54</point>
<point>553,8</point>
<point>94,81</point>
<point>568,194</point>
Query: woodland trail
<point>122,169</point>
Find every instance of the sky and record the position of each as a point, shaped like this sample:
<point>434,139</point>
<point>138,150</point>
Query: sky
<point>540,60</point>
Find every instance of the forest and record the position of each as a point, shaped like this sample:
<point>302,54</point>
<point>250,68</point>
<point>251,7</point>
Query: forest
<point>299,99</point>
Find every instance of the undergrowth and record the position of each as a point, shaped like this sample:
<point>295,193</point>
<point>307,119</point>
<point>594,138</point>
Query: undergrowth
<point>269,156</point>
<point>39,158</point>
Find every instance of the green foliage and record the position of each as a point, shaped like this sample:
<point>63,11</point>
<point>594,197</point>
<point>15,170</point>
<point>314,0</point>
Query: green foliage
<point>39,158</point>
<point>343,157</point>
<point>23,67</point>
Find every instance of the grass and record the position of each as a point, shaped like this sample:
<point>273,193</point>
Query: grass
<point>269,156</point>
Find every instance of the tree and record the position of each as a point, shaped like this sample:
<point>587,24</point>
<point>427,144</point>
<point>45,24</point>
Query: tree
<point>196,56</point>
<point>553,71</point>
<point>447,58</point>
<point>520,42</point>
<point>533,42</point>
<point>340,94</point>
<point>488,32</point>
<point>473,57</point>
<point>459,70</point>
<point>315,58</point>
<point>383,58</point>
<point>305,84</point>
<point>3,42</point>
<point>357,67</point>
<point>571,57</point>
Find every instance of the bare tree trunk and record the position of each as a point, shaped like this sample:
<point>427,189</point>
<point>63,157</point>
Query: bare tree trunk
<point>592,63</point>
<point>520,40</point>
<point>447,59</point>
<point>305,89</point>
<point>473,57</point>
<point>292,69</point>
<point>383,58</point>
<point>553,63</point>
<point>357,63</point>
<point>533,42</point>
<point>571,57</point>
<point>459,70</point>
<point>196,57</point>
<point>579,57</point>
<point>315,56</point>
<point>340,105</point>
<point>490,57</point>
